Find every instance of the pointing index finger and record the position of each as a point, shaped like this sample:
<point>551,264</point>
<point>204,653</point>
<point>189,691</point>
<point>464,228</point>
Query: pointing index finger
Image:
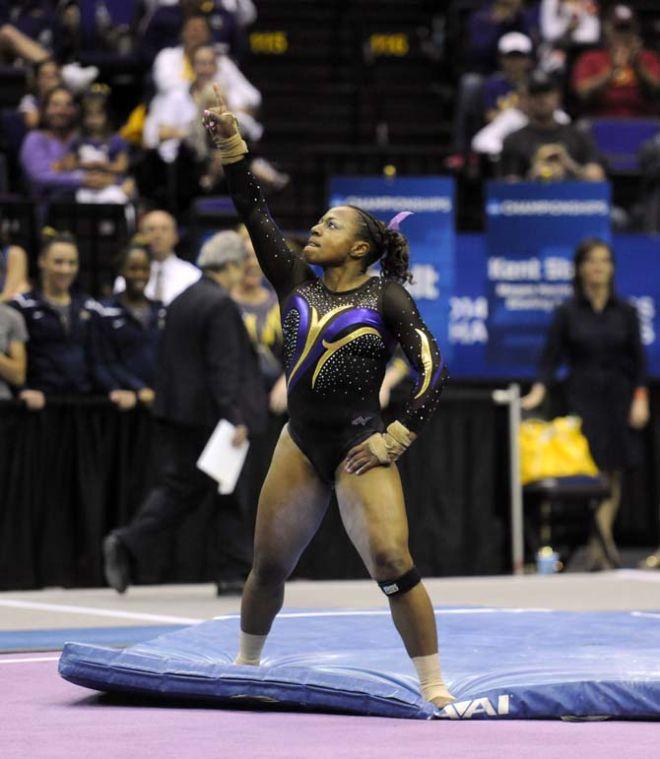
<point>222,106</point>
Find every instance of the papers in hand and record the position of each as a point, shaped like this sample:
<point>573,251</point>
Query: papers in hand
<point>220,460</point>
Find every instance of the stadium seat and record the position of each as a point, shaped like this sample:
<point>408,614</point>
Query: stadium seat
<point>18,223</point>
<point>12,85</point>
<point>558,503</point>
<point>619,140</point>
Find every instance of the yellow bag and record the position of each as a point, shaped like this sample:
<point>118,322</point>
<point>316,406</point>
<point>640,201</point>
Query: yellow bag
<point>554,449</point>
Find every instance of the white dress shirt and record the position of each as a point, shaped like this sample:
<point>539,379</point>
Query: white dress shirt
<point>174,108</point>
<point>175,276</point>
<point>169,72</point>
<point>555,18</point>
<point>490,139</point>
<point>177,108</point>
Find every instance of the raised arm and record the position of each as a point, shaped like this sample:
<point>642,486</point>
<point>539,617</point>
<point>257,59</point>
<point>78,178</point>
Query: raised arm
<point>283,268</point>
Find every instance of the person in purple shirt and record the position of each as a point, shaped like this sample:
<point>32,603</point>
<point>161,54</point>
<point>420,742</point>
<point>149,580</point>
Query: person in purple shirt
<point>44,151</point>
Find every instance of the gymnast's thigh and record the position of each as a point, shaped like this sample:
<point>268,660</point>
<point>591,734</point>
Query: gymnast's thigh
<point>373,512</point>
<point>292,504</point>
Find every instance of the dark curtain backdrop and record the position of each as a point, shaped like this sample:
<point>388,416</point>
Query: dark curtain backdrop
<point>74,471</point>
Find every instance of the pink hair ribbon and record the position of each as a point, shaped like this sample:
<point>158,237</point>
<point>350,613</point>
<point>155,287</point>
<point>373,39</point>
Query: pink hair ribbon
<point>396,220</point>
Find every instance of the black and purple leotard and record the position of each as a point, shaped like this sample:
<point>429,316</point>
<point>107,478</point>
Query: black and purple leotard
<point>337,344</point>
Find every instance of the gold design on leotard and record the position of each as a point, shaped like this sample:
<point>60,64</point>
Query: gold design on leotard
<point>427,363</point>
<point>315,328</point>
<point>332,348</point>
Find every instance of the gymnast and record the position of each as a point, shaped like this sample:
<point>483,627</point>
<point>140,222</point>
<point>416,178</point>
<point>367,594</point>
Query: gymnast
<point>339,331</point>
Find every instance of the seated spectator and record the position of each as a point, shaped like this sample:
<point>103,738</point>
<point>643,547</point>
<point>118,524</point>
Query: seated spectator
<point>174,129</point>
<point>261,315</point>
<point>180,83</point>
<point>170,121</point>
<point>263,170</point>
<point>44,152</point>
<point>27,30</point>
<point>100,148</point>
<point>501,88</point>
<point>126,333</point>
<point>45,76</point>
<point>545,148</point>
<point>58,322</point>
<point>173,67</point>
<point>173,114</point>
<point>490,140</point>
<point>13,336</point>
<point>489,23</point>
<point>163,20</point>
<point>13,272</point>
<point>481,97</point>
<point>621,79</point>
<point>169,275</point>
<point>40,29</point>
<point>565,26</point>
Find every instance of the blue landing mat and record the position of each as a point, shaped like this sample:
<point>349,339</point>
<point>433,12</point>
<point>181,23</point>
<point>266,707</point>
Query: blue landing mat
<point>499,663</point>
<point>53,640</point>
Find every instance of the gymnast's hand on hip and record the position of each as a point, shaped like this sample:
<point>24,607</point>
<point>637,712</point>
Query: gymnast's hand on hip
<point>361,459</point>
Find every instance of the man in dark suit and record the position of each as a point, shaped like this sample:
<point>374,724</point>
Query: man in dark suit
<point>207,371</point>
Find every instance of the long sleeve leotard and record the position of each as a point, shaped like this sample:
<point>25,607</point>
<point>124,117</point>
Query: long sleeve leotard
<point>337,344</point>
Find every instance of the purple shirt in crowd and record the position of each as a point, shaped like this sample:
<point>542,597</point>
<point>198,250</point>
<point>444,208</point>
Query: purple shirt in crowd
<point>39,151</point>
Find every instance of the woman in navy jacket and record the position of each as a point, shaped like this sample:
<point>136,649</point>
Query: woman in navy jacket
<point>126,332</point>
<point>58,321</point>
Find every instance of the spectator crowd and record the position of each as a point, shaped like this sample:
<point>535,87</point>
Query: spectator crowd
<point>58,341</point>
<point>54,339</point>
<point>538,75</point>
<point>534,76</point>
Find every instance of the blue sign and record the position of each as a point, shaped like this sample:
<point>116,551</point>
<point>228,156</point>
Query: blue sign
<point>430,233</point>
<point>488,299</point>
<point>532,230</point>
<point>468,309</point>
<point>637,279</point>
